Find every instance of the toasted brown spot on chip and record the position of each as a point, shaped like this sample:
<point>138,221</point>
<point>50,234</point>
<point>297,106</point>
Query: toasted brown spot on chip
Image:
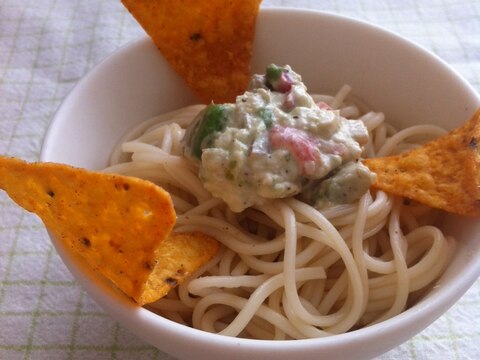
<point>171,281</point>
<point>208,43</point>
<point>86,242</point>
<point>473,143</point>
<point>443,173</point>
<point>195,36</point>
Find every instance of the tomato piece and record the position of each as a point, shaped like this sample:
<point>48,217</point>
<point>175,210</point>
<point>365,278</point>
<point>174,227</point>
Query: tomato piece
<point>300,145</point>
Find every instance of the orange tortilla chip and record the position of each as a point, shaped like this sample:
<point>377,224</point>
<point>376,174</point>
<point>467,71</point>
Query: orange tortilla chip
<point>208,43</point>
<point>443,173</point>
<point>177,258</point>
<point>118,224</point>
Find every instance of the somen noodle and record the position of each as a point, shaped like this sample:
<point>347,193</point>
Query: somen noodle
<point>286,270</point>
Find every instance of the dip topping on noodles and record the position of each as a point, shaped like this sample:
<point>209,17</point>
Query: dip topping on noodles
<point>276,142</point>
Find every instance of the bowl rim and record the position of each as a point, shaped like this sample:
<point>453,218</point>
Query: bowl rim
<point>123,309</point>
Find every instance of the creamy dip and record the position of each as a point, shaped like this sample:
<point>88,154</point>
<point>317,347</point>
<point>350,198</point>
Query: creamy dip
<point>275,142</point>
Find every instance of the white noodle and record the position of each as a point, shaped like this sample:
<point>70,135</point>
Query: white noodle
<point>286,270</point>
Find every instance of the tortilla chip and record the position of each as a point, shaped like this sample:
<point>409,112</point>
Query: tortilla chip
<point>177,258</point>
<point>208,43</point>
<point>118,224</point>
<point>443,173</point>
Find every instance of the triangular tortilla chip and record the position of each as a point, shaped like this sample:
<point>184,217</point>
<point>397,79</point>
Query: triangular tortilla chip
<point>120,225</point>
<point>177,258</point>
<point>443,173</point>
<point>208,43</point>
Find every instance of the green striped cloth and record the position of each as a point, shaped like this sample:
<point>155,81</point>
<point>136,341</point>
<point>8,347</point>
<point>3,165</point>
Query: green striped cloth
<point>46,46</point>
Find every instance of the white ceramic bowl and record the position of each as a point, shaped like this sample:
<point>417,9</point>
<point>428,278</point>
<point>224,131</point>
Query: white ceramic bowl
<point>388,72</point>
